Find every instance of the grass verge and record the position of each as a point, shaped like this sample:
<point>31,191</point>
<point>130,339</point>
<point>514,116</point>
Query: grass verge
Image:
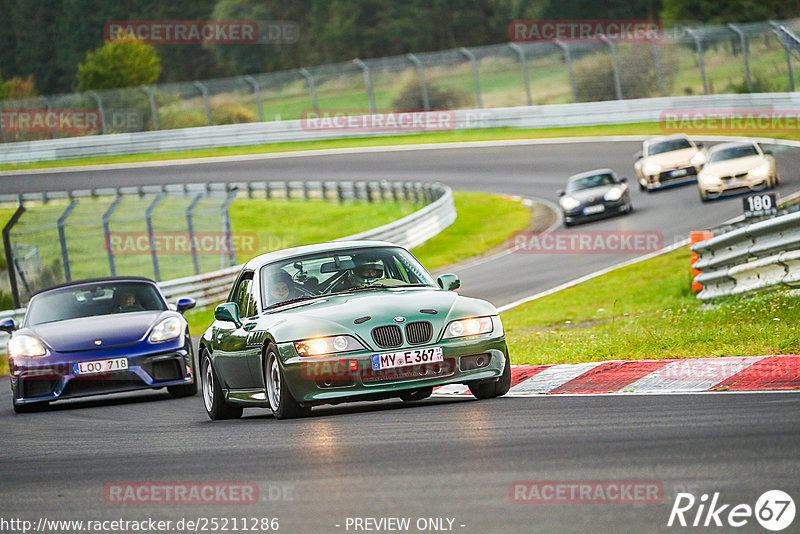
<point>647,311</point>
<point>487,134</point>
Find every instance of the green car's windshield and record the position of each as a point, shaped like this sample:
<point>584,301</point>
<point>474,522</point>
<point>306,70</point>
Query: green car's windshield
<point>341,271</point>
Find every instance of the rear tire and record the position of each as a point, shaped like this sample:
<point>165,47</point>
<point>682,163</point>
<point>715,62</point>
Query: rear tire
<point>416,394</point>
<point>213,398</point>
<point>280,399</point>
<point>490,390</point>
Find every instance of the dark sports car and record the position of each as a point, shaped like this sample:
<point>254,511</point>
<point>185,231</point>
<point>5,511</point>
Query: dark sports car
<point>346,321</point>
<point>98,336</point>
<point>594,195</point>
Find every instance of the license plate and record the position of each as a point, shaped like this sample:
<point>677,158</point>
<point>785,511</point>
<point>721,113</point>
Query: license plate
<point>101,366</point>
<point>406,357</point>
<point>679,172</point>
<point>597,208</point>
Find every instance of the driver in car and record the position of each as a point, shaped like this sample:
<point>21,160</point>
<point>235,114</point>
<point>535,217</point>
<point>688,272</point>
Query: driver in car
<point>281,287</point>
<point>365,273</point>
<point>126,301</point>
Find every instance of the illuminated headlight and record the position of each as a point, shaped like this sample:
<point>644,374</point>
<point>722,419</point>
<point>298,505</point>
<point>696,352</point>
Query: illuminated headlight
<point>652,168</point>
<point>569,203</point>
<point>327,345</point>
<point>708,179</point>
<point>169,328</point>
<point>25,346</point>
<point>615,193</point>
<point>699,159</point>
<point>761,170</point>
<point>468,327</point>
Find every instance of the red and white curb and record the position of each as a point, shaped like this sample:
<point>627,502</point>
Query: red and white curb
<point>752,373</point>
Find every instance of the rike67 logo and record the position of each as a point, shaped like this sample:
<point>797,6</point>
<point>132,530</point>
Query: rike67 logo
<point>774,510</point>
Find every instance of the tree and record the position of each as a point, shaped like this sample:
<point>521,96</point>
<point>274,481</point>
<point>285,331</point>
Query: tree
<point>124,62</point>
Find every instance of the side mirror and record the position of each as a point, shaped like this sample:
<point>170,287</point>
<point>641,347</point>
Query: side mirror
<point>8,325</point>
<point>623,179</point>
<point>185,303</point>
<point>700,145</point>
<point>560,192</point>
<point>637,156</point>
<point>228,312</point>
<point>767,152</point>
<point>449,282</point>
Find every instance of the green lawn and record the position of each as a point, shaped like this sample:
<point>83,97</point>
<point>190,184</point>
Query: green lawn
<point>632,314</point>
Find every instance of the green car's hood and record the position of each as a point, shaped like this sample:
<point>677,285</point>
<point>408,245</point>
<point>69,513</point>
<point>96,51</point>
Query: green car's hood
<point>336,314</point>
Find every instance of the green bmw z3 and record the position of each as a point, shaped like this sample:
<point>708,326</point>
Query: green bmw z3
<point>346,321</point>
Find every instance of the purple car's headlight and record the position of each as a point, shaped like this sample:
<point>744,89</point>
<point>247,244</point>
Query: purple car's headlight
<point>169,328</point>
<point>327,345</point>
<point>24,346</point>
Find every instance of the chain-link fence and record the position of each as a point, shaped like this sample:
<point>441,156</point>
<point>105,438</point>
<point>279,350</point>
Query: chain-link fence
<point>753,57</point>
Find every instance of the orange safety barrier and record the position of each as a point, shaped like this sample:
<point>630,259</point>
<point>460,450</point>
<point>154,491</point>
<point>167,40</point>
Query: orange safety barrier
<point>696,237</point>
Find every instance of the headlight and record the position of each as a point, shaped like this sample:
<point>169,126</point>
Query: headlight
<point>569,203</point>
<point>169,328</point>
<point>327,345</point>
<point>25,346</point>
<point>615,193</point>
<point>708,179</point>
<point>699,159</point>
<point>652,168</point>
<point>468,327</point>
<point>761,170</point>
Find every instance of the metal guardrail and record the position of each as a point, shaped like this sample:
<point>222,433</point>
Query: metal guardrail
<point>756,257</point>
<point>555,115</point>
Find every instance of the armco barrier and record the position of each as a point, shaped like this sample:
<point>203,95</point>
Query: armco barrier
<point>555,115</point>
<point>756,257</point>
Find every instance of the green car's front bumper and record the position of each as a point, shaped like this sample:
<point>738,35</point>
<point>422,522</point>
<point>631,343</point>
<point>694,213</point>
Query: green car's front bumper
<point>349,375</point>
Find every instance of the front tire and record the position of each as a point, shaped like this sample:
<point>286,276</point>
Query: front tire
<point>280,399</point>
<point>490,390</point>
<point>416,394</point>
<point>213,398</point>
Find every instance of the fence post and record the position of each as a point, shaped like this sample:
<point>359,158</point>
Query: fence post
<point>340,192</point>
<point>568,60</point>
<point>227,232</point>
<point>476,77</point>
<point>62,238</point>
<point>10,264</point>
<point>49,106</point>
<point>190,229</point>
<point>426,102</point>
<point>153,108</point>
<point>206,104</point>
<point>615,64</point>
<point>311,88</point>
<point>368,82</point>
<point>659,69</point>
<point>699,46</point>
<point>112,265</point>
<point>100,109</point>
<point>151,235</point>
<point>524,67</point>
<point>257,93</point>
<point>745,53</point>
<point>777,30</point>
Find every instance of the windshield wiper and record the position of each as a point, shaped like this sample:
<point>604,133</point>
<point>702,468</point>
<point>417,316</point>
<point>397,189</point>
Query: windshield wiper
<point>297,299</point>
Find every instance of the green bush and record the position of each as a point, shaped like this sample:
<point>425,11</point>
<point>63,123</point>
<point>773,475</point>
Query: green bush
<point>171,118</point>
<point>594,74</point>
<point>409,96</point>
<point>231,114</point>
